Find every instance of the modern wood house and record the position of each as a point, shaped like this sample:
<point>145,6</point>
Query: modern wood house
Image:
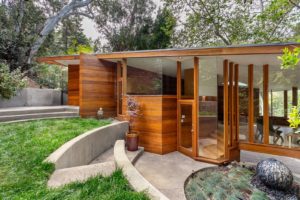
<point>208,103</point>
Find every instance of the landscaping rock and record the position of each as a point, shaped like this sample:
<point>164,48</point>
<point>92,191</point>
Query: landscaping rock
<point>274,174</point>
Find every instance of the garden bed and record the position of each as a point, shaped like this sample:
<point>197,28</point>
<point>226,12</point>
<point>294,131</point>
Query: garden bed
<point>225,182</point>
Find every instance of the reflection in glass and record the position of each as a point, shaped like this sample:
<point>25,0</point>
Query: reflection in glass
<point>281,81</point>
<point>211,126</point>
<point>243,103</point>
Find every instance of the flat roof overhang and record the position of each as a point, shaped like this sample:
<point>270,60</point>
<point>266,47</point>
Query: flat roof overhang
<point>204,51</point>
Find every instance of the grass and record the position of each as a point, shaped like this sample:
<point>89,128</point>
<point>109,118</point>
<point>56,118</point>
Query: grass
<point>23,175</point>
<point>223,183</point>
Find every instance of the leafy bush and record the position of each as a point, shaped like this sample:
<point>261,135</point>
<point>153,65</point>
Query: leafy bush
<point>10,81</point>
<point>294,117</point>
<point>50,76</point>
<point>290,59</point>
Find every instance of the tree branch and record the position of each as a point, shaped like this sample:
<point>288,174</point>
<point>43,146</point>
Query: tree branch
<point>52,22</point>
<point>294,4</point>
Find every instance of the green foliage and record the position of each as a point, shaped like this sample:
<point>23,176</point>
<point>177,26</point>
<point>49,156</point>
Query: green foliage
<point>23,174</point>
<point>258,195</point>
<point>76,48</point>
<point>294,117</point>
<point>10,82</point>
<point>290,59</point>
<point>17,34</point>
<point>50,76</point>
<point>130,25</point>
<point>228,22</point>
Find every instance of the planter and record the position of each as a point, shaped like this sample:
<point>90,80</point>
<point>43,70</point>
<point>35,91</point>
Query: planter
<point>132,141</point>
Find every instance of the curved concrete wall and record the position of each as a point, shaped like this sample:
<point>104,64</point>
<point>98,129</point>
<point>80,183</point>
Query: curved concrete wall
<point>135,179</point>
<point>86,147</point>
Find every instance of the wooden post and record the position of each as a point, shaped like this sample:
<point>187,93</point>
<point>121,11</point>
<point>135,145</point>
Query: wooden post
<point>119,80</point>
<point>236,98</point>
<point>295,96</point>
<point>231,107</point>
<point>124,79</point>
<point>178,80</point>
<point>195,107</point>
<point>225,74</point>
<point>266,103</point>
<point>250,104</point>
<point>178,105</point>
<point>285,104</point>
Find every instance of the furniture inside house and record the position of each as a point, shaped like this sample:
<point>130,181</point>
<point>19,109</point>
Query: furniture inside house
<point>275,132</point>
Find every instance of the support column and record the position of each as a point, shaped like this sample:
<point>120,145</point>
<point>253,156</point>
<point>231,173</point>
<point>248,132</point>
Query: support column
<point>250,103</point>
<point>236,98</point>
<point>285,103</point>
<point>195,107</point>
<point>231,106</point>
<point>266,103</point>
<point>225,74</point>
<point>295,96</point>
<point>124,81</point>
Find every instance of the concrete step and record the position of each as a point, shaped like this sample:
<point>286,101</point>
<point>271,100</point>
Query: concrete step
<point>8,118</point>
<point>35,110</point>
<point>65,176</point>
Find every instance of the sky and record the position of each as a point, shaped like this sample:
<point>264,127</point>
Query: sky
<point>89,27</point>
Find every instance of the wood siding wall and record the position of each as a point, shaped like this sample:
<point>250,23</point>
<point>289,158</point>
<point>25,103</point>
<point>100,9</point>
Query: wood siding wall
<point>157,124</point>
<point>73,85</point>
<point>97,86</point>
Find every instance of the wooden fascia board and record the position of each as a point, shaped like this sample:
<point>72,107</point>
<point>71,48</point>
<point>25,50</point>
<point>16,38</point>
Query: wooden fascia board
<point>57,58</point>
<point>249,50</point>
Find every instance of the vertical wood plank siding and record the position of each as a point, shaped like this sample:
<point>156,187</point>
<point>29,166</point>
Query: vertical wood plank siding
<point>97,86</point>
<point>73,85</point>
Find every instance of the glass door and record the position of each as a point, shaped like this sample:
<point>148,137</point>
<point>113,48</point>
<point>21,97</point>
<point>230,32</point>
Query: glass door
<point>186,106</point>
<point>186,127</point>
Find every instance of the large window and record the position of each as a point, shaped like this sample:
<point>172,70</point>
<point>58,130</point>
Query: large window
<point>243,103</point>
<point>151,76</point>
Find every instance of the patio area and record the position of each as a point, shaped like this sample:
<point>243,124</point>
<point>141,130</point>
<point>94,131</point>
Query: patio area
<point>169,172</point>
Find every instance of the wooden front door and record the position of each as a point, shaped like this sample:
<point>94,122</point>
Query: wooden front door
<point>186,126</point>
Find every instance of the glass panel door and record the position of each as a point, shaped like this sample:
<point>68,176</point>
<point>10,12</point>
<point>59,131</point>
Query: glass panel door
<point>186,129</point>
<point>211,110</point>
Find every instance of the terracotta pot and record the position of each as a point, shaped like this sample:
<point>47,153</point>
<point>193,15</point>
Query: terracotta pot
<point>132,141</point>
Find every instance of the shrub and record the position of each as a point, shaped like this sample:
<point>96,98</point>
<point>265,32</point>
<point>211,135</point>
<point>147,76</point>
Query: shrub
<point>10,81</point>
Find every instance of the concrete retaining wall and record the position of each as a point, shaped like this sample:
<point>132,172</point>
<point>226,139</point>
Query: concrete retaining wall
<point>135,179</point>
<point>33,97</point>
<point>86,147</point>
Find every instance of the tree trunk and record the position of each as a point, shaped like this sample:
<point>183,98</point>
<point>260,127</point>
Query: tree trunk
<point>52,22</point>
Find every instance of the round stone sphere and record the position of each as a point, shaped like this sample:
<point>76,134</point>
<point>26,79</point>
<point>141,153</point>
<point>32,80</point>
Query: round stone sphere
<point>274,174</point>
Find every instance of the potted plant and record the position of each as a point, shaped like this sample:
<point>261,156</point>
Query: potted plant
<point>133,111</point>
<point>294,119</point>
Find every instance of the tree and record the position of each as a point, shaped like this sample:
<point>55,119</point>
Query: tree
<point>228,22</point>
<point>26,26</point>
<point>131,25</point>
<point>52,21</point>
<point>10,82</point>
<point>124,22</point>
<point>290,58</point>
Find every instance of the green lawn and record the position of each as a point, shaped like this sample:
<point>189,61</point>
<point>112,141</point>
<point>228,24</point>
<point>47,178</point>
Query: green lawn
<point>23,175</point>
